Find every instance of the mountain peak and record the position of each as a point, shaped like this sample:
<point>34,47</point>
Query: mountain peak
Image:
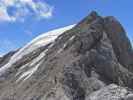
<point>94,14</point>
<point>89,19</point>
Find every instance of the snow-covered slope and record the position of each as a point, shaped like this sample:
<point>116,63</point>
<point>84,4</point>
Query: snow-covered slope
<point>39,41</point>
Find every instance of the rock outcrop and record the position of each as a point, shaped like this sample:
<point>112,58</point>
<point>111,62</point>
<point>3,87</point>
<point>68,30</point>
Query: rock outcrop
<point>92,60</point>
<point>112,92</point>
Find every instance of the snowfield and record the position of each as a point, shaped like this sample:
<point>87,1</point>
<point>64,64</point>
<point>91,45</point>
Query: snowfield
<point>39,41</point>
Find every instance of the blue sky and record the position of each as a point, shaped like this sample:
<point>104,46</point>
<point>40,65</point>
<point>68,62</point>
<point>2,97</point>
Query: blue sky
<point>23,20</point>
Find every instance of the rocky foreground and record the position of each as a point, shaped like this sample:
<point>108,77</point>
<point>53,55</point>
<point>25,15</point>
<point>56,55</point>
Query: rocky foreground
<point>92,60</point>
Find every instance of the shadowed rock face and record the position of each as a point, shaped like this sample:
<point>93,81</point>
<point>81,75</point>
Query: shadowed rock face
<point>120,42</point>
<point>91,61</point>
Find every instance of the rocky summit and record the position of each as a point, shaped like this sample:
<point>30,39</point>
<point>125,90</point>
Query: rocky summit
<point>91,60</point>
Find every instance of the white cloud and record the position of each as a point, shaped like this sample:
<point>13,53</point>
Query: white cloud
<point>24,8</point>
<point>3,15</point>
<point>43,9</point>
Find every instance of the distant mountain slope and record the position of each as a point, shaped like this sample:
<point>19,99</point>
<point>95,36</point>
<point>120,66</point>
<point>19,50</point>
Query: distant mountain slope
<point>91,60</point>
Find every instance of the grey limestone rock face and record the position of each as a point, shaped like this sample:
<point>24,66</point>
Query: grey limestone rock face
<point>91,61</point>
